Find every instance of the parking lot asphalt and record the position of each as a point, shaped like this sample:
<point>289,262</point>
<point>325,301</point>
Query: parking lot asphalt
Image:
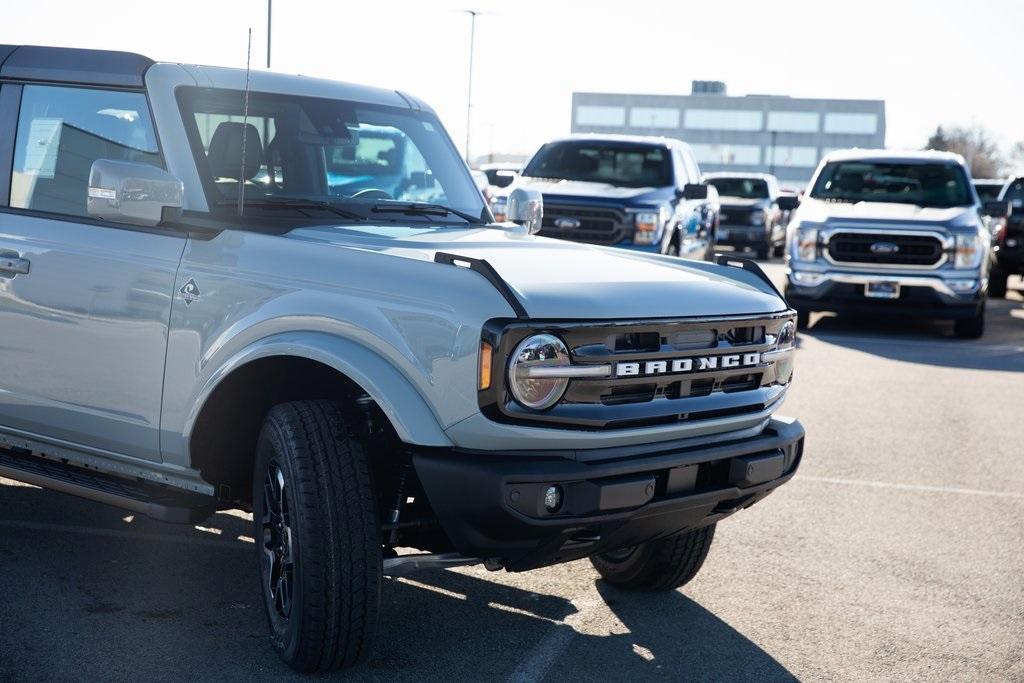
<point>896,553</point>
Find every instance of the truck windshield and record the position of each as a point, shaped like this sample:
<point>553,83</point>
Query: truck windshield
<point>936,185</point>
<point>346,154</point>
<point>744,188</point>
<point>620,164</point>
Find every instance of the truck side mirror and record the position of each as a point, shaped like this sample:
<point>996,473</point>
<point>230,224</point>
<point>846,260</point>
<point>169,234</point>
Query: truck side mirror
<point>526,207</point>
<point>996,208</point>
<point>788,202</point>
<point>695,191</point>
<point>133,193</point>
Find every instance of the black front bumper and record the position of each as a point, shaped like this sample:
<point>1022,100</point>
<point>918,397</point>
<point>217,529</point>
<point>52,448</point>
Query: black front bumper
<point>490,504</point>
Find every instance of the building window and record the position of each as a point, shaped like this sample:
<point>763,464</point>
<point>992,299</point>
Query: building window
<point>723,119</point>
<point>859,124</point>
<point>729,155</point>
<point>588,115</point>
<point>792,156</point>
<point>793,121</point>
<point>653,117</point>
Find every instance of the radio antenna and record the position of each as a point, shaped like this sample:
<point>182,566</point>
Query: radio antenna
<point>245,129</point>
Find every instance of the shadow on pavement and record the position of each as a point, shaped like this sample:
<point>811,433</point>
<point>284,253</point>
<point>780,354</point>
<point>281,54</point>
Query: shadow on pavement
<point>99,597</point>
<point>1001,347</point>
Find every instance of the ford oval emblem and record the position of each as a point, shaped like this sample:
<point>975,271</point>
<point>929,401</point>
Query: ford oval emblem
<point>566,223</point>
<point>884,248</point>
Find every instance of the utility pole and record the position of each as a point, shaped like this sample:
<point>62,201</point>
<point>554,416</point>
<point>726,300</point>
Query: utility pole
<point>469,95</point>
<point>270,14</point>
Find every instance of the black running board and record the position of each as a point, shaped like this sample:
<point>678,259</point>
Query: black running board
<point>152,500</point>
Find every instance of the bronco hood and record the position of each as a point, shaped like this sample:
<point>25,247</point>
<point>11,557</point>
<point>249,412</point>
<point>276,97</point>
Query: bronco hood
<point>555,279</point>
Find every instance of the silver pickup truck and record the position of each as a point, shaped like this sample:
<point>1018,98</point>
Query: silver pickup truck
<point>226,290</point>
<point>902,233</point>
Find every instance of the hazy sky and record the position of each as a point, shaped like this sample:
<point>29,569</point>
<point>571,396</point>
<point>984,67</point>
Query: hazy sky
<point>941,61</point>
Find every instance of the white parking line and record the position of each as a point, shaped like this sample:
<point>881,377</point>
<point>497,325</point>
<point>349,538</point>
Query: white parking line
<point>117,533</point>
<point>911,487</point>
<point>546,652</point>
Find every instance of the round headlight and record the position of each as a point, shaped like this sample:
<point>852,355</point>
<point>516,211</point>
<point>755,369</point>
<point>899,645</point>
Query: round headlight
<point>528,385</point>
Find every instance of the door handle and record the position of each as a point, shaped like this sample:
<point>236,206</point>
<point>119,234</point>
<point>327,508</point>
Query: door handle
<point>14,266</point>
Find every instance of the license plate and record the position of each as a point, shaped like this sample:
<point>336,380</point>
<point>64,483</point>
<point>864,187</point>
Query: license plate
<point>882,289</point>
<point>723,234</point>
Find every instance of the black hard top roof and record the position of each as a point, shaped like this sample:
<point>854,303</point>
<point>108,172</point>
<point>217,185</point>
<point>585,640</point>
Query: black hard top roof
<point>73,65</point>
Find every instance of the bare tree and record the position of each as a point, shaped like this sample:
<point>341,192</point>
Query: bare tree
<point>975,145</point>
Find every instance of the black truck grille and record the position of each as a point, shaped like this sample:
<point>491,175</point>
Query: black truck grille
<point>734,215</point>
<point>595,226</point>
<point>885,249</point>
<point>646,399</point>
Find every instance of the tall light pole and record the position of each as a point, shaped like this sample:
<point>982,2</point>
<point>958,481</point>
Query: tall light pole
<point>270,16</point>
<point>469,95</point>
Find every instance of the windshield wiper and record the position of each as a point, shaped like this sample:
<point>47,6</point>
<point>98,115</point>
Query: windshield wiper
<point>423,209</point>
<point>299,204</point>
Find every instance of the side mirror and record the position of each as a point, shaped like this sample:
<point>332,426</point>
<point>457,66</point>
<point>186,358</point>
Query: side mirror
<point>526,207</point>
<point>996,208</point>
<point>127,192</point>
<point>788,202</point>
<point>695,191</point>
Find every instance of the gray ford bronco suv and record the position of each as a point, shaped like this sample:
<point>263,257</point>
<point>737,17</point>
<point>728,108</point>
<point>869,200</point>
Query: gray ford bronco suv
<point>221,290</point>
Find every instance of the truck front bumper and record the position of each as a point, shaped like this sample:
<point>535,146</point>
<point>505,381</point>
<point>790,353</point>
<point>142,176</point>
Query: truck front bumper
<point>920,295</point>
<point>492,505</point>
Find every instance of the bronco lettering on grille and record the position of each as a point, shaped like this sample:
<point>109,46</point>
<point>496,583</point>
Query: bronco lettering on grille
<point>684,365</point>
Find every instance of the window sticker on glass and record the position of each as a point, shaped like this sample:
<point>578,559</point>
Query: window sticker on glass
<point>41,152</point>
<point>428,126</point>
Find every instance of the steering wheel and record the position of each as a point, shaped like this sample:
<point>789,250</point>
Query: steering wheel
<point>372,193</point>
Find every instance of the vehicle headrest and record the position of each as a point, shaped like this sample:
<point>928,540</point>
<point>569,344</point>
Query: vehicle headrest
<point>225,155</point>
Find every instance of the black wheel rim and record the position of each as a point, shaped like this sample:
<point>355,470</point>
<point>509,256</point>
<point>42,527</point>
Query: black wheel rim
<point>278,555</point>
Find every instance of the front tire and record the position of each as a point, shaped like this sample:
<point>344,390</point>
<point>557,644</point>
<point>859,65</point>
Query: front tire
<point>661,565</point>
<point>997,282</point>
<point>317,537</point>
<point>970,328</point>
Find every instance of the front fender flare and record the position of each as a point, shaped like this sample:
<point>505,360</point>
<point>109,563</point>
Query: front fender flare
<point>404,406</point>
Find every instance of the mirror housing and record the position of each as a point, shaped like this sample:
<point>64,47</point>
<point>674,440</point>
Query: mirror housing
<point>787,202</point>
<point>695,191</point>
<point>133,193</point>
<point>996,208</point>
<point>526,207</point>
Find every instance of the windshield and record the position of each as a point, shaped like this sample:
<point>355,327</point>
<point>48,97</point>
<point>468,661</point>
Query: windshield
<point>988,191</point>
<point>744,188</point>
<point>621,164</point>
<point>349,154</point>
<point>937,185</point>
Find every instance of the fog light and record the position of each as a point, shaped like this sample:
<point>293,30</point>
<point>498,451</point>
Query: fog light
<point>962,285</point>
<point>806,278</point>
<point>553,498</point>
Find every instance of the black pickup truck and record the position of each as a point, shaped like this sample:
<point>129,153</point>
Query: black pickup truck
<point>1008,240</point>
<point>750,215</point>
<point>640,193</point>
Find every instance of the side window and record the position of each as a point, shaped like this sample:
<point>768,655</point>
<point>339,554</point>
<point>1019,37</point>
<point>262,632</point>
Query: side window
<point>62,131</point>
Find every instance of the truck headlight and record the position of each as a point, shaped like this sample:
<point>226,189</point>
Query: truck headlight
<point>526,373</point>
<point>806,245</point>
<point>756,217</point>
<point>499,207</point>
<point>968,252</point>
<point>647,227</point>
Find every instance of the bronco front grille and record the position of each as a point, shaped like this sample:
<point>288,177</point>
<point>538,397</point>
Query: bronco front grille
<point>592,225</point>
<point>890,249</point>
<point>616,401</point>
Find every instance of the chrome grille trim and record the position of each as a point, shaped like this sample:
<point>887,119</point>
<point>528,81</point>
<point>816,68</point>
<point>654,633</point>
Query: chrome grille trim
<point>945,240</point>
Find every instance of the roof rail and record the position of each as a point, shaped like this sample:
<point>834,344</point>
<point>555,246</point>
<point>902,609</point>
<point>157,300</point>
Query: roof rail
<point>73,65</point>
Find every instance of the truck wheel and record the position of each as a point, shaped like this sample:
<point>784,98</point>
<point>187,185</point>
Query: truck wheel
<point>779,250</point>
<point>997,279</point>
<point>970,328</point>
<point>803,319</point>
<point>762,252</point>
<point>660,565</point>
<point>317,537</point>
